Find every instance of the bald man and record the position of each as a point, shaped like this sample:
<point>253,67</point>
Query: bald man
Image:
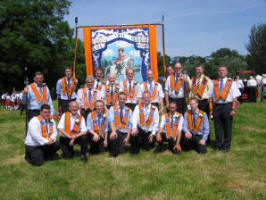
<point>111,91</point>
<point>72,129</point>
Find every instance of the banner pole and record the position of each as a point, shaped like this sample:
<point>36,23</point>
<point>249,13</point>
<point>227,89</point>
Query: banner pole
<point>76,48</point>
<point>163,48</point>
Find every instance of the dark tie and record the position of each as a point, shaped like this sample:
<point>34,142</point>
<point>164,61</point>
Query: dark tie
<point>68,83</point>
<point>112,90</point>
<point>176,79</point>
<point>172,121</point>
<point>221,85</point>
<point>97,85</point>
<point>129,87</point>
<point>194,119</point>
<point>121,114</point>
<point>89,95</point>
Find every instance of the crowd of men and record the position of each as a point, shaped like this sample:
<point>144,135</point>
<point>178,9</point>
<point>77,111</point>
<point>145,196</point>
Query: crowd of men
<point>111,116</point>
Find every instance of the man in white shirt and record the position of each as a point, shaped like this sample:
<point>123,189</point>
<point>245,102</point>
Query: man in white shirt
<point>252,89</point>
<point>145,123</point>
<point>155,89</point>
<point>40,141</point>
<point>120,119</point>
<point>65,90</point>
<point>177,87</point>
<point>223,104</point>
<point>72,130</point>
<point>131,88</point>
<point>111,91</point>
<point>87,97</point>
<point>170,130</point>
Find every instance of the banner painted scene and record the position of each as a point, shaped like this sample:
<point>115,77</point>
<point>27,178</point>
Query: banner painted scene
<point>116,49</point>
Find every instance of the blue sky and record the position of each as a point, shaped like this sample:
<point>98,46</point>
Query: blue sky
<point>192,27</point>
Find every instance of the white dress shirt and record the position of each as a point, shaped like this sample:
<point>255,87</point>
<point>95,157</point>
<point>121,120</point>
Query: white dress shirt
<point>252,83</point>
<point>60,90</point>
<point>153,125</point>
<point>159,91</point>
<point>80,96</point>
<point>135,86</point>
<point>172,93</point>
<point>233,93</point>
<point>239,84</point>
<point>34,135</point>
<point>61,124</point>
<point>180,123</point>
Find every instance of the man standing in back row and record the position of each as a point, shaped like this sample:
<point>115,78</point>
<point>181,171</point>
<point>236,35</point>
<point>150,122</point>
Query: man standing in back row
<point>176,88</point>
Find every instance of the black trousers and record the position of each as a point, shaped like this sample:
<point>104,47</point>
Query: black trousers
<point>252,94</point>
<point>131,106</point>
<point>180,103</point>
<point>171,142</point>
<point>141,140</point>
<point>116,145</point>
<point>204,105</point>
<point>68,151</point>
<point>85,113</point>
<point>222,123</point>
<point>63,105</point>
<point>36,155</point>
<point>33,113</point>
<point>193,143</point>
<point>96,147</point>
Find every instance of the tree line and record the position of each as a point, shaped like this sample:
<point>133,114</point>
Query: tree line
<point>35,35</point>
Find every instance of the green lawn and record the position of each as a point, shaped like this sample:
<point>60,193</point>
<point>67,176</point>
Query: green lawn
<point>239,174</point>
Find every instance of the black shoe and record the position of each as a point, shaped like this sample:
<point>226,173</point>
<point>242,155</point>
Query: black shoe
<point>217,149</point>
<point>84,158</point>
<point>226,150</point>
<point>159,149</point>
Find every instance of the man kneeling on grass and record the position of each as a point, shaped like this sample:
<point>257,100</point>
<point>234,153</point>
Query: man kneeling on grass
<point>170,130</point>
<point>97,125</point>
<point>73,130</point>
<point>196,128</point>
<point>120,117</point>
<point>40,141</point>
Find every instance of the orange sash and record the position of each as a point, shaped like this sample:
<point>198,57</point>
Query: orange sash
<point>154,89</point>
<point>111,99</point>
<point>43,128</point>
<point>168,124</point>
<point>37,94</point>
<point>65,89</point>
<point>142,117</point>
<point>86,101</point>
<point>202,87</point>
<point>131,95</point>
<point>178,84</point>
<point>95,123</point>
<point>196,126</point>
<point>119,124</point>
<point>225,92</point>
<point>76,125</point>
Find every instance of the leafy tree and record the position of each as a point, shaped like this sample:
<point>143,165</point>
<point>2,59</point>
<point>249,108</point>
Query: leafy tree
<point>160,63</point>
<point>33,34</point>
<point>257,48</point>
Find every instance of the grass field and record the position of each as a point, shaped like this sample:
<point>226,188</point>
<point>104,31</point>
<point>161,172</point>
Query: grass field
<point>239,174</point>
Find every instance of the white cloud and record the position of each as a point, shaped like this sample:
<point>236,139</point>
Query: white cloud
<point>122,44</point>
<point>134,53</point>
<point>108,52</point>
